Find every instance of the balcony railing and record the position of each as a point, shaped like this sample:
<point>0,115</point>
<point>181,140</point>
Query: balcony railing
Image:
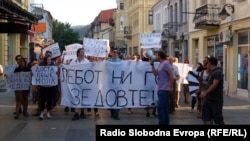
<point>127,32</point>
<point>168,33</point>
<point>207,17</point>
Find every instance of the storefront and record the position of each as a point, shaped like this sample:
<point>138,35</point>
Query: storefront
<point>243,46</point>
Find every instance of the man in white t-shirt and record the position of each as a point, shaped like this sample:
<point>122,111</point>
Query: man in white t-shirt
<point>81,59</point>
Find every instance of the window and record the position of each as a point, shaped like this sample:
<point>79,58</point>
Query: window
<point>243,58</point>
<point>121,5</point>
<point>181,10</point>
<point>150,17</point>
<point>121,23</point>
<point>203,2</point>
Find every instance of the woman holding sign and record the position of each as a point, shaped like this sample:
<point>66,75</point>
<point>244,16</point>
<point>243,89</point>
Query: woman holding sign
<point>21,95</point>
<point>47,93</point>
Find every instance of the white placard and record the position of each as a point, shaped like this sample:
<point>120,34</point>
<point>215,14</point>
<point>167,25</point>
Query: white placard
<point>95,47</point>
<point>54,48</point>
<point>150,40</point>
<point>44,75</point>
<point>18,81</point>
<point>73,47</point>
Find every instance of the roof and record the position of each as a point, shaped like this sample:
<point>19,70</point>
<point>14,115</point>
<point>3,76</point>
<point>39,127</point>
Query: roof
<point>105,15</point>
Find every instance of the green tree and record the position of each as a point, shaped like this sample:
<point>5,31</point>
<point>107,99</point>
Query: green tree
<point>63,34</point>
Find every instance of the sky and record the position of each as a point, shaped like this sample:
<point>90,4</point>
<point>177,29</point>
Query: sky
<point>76,12</point>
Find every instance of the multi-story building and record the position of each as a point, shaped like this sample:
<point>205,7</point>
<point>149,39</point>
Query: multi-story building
<point>42,31</point>
<point>15,22</point>
<point>100,27</point>
<point>170,19</point>
<point>222,29</point>
<point>136,19</point>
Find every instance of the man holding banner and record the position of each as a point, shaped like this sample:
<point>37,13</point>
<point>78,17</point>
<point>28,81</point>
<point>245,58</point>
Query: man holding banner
<point>115,58</point>
<point>81,59</point>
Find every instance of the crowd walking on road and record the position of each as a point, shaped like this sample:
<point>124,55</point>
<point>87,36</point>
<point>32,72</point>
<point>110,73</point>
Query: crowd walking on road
<point>209,95</point>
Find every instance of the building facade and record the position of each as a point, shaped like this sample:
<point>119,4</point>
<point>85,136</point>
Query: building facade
<point>170,18</point>
<point>137,20</point>
<point>15,23</point>
<point>224,32</point>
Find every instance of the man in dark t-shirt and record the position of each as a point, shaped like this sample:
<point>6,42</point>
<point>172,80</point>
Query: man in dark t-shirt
<point>213,96</point>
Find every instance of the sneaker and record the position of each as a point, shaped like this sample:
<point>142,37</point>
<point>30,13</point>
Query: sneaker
<point>82,115</point>
<point>66,109</point>
<point>48,115</point>
<point>26,114</point>
<point>16,116</point>
<point>191,111</point>
<point>148,115</point>
<point>76,117</point>
<point>41,116</point>
<point>116,118</point>
<point>20,112</point>
<point>72,109</point>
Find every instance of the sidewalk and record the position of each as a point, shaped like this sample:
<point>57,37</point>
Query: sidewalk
<point>62,128</point>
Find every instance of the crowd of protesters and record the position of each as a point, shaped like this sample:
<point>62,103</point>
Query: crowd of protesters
<point>209,95</point>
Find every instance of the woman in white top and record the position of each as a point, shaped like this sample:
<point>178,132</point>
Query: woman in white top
<point>203,80</point>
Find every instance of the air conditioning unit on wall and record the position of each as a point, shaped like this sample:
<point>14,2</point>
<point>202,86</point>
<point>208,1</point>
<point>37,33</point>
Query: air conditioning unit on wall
<point>225,37</point>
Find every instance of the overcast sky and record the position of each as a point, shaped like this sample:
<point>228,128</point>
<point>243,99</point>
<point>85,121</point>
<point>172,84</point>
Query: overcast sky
<point>76,12</point>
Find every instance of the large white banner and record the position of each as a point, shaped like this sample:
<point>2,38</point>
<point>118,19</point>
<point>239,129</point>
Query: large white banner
<point>108,84</point>
<point>95,47</point>
<point>44,75</point>
<point>150,40</point>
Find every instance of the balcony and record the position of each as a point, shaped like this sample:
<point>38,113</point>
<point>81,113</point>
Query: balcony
<point>127,32</point>
<point>168,33</point>
<point>207,17</point>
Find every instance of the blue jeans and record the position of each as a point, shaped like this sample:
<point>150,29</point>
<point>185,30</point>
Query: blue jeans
<point>162,107</point>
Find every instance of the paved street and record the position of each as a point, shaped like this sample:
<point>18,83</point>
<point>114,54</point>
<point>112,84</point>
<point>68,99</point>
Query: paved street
<point>62,128</point>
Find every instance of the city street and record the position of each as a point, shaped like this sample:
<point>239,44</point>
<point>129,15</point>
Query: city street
<point>61,128</point>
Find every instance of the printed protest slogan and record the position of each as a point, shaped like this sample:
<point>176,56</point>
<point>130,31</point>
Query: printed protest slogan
<point>18,81</point>
<point>150,40</point>
<point>44,75</point>
<point>108,84</point>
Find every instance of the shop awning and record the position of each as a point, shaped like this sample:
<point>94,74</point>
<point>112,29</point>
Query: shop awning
<point>15,14</point>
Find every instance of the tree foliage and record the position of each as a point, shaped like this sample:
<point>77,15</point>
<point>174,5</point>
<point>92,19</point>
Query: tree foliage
<point>63,34</point>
